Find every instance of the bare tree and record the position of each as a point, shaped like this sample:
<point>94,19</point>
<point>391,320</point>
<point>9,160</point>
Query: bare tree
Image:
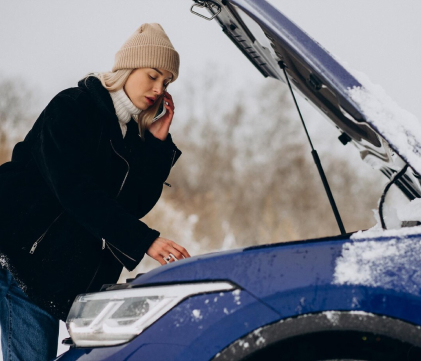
<point>16,102</point>
<point>247,174</point>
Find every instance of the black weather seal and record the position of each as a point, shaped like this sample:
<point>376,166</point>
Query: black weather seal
<point>242,49</point>
<point>394,178</point>
<point>240,22</point>
<point>316,158</point>
<point>406,188</point>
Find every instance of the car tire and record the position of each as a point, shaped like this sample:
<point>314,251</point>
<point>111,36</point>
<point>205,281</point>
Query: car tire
<point>329,336</point>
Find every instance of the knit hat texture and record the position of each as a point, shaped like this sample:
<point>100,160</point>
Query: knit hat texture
<point>148,47</point>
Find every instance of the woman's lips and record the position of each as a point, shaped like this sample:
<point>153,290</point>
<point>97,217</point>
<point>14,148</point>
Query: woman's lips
<point>150,100</point>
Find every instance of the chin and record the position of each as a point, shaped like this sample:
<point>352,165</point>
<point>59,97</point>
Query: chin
<point>142,106</point>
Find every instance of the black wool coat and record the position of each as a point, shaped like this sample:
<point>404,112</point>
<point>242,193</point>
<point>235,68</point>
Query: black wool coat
<point>72,196</point>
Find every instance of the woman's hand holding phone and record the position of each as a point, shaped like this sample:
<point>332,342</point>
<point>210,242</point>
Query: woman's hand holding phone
<point>161,127</point>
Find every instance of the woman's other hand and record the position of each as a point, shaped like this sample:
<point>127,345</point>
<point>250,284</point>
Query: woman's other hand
<point>163,248</point>
<point>161,127</point>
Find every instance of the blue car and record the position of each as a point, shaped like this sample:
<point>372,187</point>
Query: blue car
<point>349,297</point>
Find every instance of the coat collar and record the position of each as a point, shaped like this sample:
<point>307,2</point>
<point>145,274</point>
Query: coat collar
<point>104,103</point>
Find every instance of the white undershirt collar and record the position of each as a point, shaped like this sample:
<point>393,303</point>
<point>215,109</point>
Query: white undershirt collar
<point>124,109</point>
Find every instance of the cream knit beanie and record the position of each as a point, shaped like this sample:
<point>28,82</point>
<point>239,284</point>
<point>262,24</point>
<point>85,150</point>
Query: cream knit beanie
<point>148,47</point>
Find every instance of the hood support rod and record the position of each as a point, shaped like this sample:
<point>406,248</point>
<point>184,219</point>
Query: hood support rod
<point>316,158</point>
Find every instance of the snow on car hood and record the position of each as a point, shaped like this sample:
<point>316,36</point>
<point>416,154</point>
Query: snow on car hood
<point>398,126</point>
<point>386,135</point>
<point>391,263</point>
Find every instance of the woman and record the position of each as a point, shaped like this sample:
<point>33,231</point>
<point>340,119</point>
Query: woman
<point>71,198</point>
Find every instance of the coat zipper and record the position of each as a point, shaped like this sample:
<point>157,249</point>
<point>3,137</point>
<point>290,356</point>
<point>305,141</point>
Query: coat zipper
<point>128,168</point>
<point>104,242</point>
<point>38,241</point>
<point>108,244</point>
<point>35,245</point>
<point>172,163</point>
<point>115,256</point>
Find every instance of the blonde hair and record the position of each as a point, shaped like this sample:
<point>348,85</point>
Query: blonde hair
<point>113,81</point>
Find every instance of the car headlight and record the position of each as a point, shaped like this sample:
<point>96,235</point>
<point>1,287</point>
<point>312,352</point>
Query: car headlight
<point>114,317</point>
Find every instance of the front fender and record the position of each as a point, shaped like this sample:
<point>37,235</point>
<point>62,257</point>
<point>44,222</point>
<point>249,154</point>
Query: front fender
<point>380,275</point>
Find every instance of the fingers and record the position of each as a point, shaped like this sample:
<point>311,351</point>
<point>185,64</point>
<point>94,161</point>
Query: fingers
<point>176,254</point>
<point>168,101</point>
<point>168,95</point>
<point>164,259</point>
<point>165,251</point>
<point>171,258</point>
<point>181,249</point>
<point>160,259</point>
<point>171,254</point>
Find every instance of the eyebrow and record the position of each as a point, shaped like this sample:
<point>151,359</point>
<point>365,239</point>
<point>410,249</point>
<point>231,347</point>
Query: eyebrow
<point>158,71</point>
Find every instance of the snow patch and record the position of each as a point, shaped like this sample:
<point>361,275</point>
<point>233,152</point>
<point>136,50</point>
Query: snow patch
<point>196,314</point>
<point>4,262</point>
<point>243,344</point>
<point>301,305</point>
<point>355,302</point>
<point>394,215</point>
<point>228,311</point>
<point>398,126</point>
<point>391,264</point>
<point>377,231</point>
<point>332,316</point>
<point>261,340</point>
<point>236,294</point>
<point>361,313</point>
<point>411,211</point>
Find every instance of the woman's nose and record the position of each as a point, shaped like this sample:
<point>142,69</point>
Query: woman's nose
<point>159,89</point>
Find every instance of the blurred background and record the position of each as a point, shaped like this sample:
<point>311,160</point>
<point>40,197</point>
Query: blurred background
<point>246,176</point>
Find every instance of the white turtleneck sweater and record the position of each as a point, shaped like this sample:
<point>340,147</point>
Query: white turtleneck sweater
<point>124,109</point>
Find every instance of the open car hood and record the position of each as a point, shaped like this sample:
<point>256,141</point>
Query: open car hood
<point>386,136</point>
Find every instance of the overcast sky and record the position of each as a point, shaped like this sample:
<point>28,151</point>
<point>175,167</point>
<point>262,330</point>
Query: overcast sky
<point>53,43</point>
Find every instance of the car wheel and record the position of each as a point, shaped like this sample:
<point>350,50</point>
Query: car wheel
<point>339,345</point>
<point>329,336</point>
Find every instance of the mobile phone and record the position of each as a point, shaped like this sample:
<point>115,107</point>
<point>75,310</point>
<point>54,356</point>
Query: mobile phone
<point>161,110</point>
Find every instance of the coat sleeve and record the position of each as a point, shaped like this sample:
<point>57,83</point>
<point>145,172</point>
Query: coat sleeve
<point>160,156</point>
<point>64,153</point>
